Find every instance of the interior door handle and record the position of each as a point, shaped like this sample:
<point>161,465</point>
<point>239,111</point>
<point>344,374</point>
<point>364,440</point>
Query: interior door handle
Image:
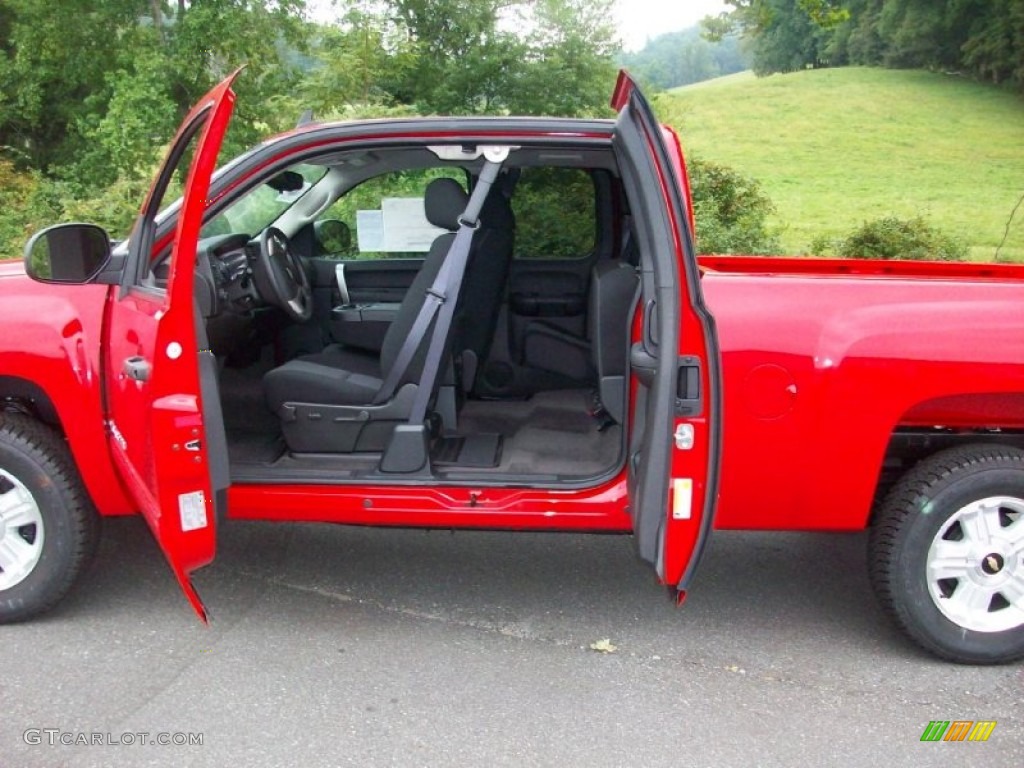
<point>643,364</point>
<point>137,368</point>
<point>650,323</point>
<point>339,278</point>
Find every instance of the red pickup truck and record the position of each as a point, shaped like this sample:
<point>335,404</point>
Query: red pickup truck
<point>503,323</point>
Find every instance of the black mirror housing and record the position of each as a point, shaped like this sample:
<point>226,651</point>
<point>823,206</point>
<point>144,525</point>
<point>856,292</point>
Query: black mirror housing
<point>287,181</point>
<point>67,253</point>
<point>333,236</point>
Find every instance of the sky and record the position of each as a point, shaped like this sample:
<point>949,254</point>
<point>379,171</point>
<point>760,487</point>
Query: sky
<point>642,19</point>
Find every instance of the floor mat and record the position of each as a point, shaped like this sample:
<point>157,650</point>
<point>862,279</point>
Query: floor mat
<point>476,450</point>
<point>552,433</point>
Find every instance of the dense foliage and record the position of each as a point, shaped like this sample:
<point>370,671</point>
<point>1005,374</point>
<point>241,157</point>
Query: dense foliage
<point>682,58</point>
<point>731,211</point>
<point>981,38</point>
<point>91,90</point>
<point>891,237</point>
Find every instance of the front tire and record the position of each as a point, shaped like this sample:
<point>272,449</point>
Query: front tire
<point>48,527</point>
<point>946,554</point>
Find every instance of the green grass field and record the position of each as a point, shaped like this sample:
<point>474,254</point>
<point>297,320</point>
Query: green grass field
<point>835,147</point>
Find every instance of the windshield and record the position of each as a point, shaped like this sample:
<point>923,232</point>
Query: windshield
<point>262,205</point>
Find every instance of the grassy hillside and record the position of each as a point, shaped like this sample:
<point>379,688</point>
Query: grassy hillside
<point>835,147</point>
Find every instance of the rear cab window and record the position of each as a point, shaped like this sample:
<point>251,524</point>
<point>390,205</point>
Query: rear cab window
<point>555,211</point>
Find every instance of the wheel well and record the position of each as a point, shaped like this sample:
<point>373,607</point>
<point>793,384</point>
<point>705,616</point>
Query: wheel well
<point>908,446</point>
<point>23,396</point>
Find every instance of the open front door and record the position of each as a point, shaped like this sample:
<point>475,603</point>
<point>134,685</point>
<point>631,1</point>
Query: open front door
<point>156,367</point>
<point>675,423</point>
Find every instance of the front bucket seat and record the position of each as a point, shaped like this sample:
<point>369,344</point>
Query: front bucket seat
<point>326,401</point>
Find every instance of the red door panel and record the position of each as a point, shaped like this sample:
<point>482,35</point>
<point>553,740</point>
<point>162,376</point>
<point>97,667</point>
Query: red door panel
<point>673,465</point>
<point>152,368</point>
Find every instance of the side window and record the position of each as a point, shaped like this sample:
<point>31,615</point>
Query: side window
<point>555,213</point>
<point>381,218</point>
<point>170,183</point>
<point>264,204</point>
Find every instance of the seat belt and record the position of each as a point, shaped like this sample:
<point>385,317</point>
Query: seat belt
<point>442,297</point>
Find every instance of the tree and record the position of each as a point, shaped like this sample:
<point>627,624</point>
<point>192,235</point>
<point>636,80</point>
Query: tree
<point>983,38</point>
<point>994,49</point>
<point>569,60</point>
<point>91,90</point>
<point>55,55</point>
<point>496,56</point>
<point>355,62</point>
<point>752,17</point>
<point>461,56</point>
<point>789,39</point>
<point>681,58</point>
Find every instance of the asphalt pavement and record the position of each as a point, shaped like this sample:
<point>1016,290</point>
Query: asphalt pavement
<point>333,646</point>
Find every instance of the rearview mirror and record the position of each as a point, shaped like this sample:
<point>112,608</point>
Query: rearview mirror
<point>286,181</point>
<point>67,253</point>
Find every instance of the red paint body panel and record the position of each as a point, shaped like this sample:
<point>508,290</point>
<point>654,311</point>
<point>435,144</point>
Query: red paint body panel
<point>866,347</point>
<point>152,420</point>
<point>598,509</point>
<point>683,535</point>
<point>820,368</point>
<point>52,339</point>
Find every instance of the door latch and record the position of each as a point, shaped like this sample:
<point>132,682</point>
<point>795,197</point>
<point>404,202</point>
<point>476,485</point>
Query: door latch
<point>684,437</point>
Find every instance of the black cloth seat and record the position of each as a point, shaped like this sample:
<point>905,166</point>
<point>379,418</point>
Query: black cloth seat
<point>335,376</point>
<point>338,376</point>
<point>483,285</point>
<point>613,294</point>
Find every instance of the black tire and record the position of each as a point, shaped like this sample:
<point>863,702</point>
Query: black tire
<point>35,459</point>
<point>934,498</point>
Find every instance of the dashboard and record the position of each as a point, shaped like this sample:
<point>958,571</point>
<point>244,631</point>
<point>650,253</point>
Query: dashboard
<point>228,262</point>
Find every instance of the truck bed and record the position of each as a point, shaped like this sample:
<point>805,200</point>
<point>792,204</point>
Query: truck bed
<point>824,361</point>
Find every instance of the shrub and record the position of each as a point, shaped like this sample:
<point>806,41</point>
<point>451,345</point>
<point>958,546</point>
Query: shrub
<point>731,211</point>
<point>25,207</point>
<point>891,237</point>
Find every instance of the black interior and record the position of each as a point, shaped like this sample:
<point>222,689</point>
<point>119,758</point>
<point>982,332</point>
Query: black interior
<point>535,382</point>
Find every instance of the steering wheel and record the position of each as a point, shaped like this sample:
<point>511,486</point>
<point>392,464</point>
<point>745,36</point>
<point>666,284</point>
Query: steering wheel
<point>281,277</point>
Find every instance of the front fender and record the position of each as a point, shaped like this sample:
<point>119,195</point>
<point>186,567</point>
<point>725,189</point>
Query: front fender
<point>51,338</point>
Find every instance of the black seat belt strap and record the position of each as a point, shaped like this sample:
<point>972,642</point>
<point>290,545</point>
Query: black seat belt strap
<point>440,290</point>
<point>435,298</point>
<point>458,255</point>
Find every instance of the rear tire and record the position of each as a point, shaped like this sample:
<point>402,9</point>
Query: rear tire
<point>946,554</point>
<point>48,527</point>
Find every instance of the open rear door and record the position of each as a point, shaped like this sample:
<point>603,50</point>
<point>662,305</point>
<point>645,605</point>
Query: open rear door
<point>675,424</point>
<point>156,367</point>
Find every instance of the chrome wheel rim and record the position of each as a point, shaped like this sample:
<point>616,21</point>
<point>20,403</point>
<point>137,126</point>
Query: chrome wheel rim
<point>21,531</point>
<point>975,565</point>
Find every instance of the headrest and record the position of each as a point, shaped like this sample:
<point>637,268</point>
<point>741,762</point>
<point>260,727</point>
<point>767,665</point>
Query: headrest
<point>444,201</point>
<point>497,211</point>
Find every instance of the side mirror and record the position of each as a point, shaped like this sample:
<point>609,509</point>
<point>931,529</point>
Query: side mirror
<point>333,236</point>
<point>67,253</point>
